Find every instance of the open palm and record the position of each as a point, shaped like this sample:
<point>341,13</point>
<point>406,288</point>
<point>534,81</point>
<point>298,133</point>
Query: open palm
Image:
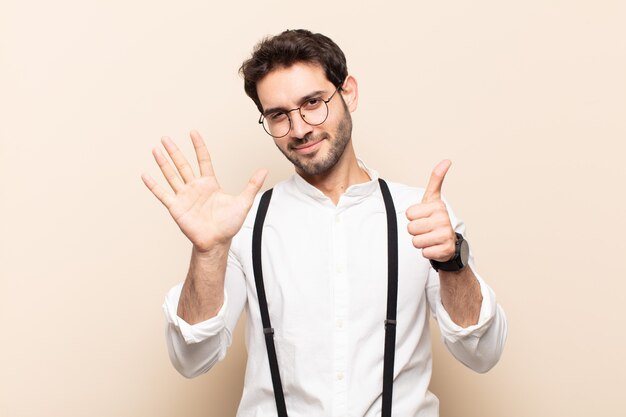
<point>203,211</point>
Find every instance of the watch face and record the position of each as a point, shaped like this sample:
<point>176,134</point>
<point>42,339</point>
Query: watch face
<point>464,252</point>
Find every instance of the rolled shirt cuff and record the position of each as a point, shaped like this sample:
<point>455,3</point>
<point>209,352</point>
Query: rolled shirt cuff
<point>193,333</point>
<point>453,332</point>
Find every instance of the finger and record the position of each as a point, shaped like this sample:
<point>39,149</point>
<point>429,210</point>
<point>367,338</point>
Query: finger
<point>157,190</point>
<point>202,153</point>
<point>427,240</point>
<point>179,159</point>
<point>168,171</point>
<point>433,189</point>
<point>440,253</point>
<point>419,211</point>
<point>420,226</point>
<point>253,186</point>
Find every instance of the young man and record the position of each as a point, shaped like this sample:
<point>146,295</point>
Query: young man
<point>324,255</point>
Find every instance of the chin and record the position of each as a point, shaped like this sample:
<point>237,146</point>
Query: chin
<point>317,165</point>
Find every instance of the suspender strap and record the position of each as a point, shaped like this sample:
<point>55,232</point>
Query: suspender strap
<point>392,298</point>
<point>281,408</point>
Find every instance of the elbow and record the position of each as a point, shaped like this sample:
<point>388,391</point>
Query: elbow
<point>488,354</point>
<point>192,370</point>
<point>482,366</point>
<point>194,359</point>
<point>191,365</point>
<point>481,361</point>
<point>187,372</point>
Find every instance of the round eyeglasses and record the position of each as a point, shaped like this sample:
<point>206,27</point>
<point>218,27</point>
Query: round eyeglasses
<point>314,111</point>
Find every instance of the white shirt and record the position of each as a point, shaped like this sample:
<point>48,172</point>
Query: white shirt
<point>325,274</point>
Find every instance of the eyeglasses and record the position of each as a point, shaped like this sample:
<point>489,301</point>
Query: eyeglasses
<point>314,111</point>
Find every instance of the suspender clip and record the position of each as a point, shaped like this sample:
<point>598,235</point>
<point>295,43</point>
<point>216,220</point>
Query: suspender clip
<point>390,323</point>
<point>268,330</point>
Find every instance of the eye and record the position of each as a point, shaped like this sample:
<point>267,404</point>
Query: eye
<point>276,116</point>
<point>312,103</point>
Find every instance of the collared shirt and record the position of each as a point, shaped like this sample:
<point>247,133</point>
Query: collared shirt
<point>325,274</point>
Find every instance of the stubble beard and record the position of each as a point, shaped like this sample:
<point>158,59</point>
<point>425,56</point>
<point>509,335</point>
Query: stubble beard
<point>310,165</point>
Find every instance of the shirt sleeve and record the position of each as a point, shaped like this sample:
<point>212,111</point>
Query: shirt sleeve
<point>194,349</point>
<point>478,346</point>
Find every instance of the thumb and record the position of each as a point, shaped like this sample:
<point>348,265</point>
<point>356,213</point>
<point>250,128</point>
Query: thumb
<point>433,189</point>
<point>254,185</point>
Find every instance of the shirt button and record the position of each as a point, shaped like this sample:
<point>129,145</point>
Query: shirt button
<point>340,324</point>
<point>337,219</point>
<point>339,376</point>
<point>340,269</point>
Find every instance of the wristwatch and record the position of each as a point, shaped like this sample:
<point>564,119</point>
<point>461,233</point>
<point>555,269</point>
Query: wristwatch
<point>461,255</point>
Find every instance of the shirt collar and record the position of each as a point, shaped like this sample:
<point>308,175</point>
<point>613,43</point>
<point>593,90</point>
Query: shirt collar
<point>353,194</point>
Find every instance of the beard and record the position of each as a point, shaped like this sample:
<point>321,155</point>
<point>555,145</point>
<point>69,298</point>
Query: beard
<point>310,165</point>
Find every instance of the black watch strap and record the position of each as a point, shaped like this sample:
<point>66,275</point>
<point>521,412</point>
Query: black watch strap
<point>460,257</point>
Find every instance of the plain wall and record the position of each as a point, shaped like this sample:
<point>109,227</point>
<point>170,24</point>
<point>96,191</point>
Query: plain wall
<point>528,99</point>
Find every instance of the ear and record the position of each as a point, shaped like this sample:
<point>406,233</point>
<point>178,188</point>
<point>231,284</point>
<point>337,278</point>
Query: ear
<point>350,93</point>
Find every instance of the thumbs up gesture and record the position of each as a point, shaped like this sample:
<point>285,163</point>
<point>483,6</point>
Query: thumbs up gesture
<point>429,222</point>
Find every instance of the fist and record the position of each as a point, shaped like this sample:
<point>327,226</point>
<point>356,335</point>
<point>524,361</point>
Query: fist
<point>429,222</point>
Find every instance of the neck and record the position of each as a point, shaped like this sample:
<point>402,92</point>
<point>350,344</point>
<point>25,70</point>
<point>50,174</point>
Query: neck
<point>336,181</point>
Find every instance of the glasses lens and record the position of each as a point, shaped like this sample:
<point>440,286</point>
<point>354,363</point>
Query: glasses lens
<point>314,111</point>
<point>276,126</point>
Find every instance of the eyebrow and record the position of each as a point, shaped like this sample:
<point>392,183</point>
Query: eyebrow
<point>302,100</point>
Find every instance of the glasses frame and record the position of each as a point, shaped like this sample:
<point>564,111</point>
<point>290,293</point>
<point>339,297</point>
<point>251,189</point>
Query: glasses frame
<point>303,118</point>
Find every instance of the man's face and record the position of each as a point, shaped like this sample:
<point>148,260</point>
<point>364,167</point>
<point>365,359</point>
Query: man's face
<point>312,149</point>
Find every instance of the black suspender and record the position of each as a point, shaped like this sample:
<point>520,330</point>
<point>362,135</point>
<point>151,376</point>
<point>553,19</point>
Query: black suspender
<point>392,298</point>
<point>265,315</point>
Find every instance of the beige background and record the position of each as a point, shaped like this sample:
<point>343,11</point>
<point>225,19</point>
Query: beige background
<point>527,98</point>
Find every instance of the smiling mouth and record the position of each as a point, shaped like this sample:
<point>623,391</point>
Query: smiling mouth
<point>309,147</point>
<point>310,144</point>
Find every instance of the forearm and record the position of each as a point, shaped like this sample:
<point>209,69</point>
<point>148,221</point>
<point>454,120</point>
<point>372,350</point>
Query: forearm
<point>195,348</point>
<point>202,295</point>
<point>461,296</point>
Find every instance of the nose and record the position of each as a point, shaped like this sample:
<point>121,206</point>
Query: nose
<point>299,128</point>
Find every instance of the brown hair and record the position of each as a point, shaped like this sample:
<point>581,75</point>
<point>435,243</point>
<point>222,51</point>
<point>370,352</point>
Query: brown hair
<point>288,48</point>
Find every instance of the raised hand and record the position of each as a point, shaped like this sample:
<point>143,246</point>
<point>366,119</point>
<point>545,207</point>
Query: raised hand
<point>429,222</point>
<point>203,211</point>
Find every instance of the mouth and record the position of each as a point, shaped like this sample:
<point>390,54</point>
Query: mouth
<point>308,147</point>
